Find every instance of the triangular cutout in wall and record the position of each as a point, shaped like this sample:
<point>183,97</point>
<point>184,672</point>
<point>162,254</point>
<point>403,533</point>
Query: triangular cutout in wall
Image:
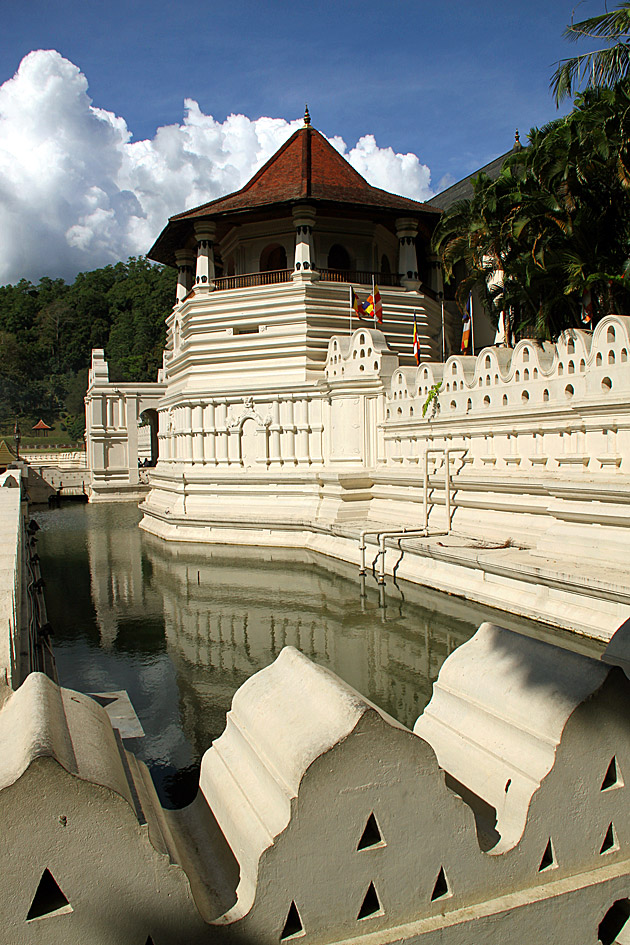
<point>293,925</point>
<point>371,836</point>
<point>441,888</point>
<point>612,778</point>
<point>48,899</point>
<point>149,941</point>
<point>610,840</point>
<point>370,905</point>
<point>548,858</point>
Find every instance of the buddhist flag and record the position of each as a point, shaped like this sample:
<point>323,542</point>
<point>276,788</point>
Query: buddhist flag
<point>374,307</point>
<point>467,325</point>
<point>587,307</point>
<point>416,343</point>
<point>377,305</point>
<point>357,307</point>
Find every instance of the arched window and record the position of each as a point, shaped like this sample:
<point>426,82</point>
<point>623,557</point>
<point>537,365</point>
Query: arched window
<point>273,257</point>
<point>338,257</point>
<point>385,267</point>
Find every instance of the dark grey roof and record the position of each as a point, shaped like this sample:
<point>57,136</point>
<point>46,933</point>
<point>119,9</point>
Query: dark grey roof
<point>463,189</point>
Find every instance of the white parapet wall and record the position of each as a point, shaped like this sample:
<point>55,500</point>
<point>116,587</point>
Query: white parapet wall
<point>11,575</point>
<point>518,464</point>
<point>116,444</point>
<point>503,818</point>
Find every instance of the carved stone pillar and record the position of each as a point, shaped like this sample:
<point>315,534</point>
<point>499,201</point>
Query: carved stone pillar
<point>164,445</point>
<point>197,433</point>
<point>288,454</point>
<point>222,433</point>
<point>303,220</point>
<point>209,434</point>
<point>302,425</point>
<point>275,455</point>
<point>185,260</point>
<point>205,233</point>
<point>132,437</point>
<point>406,231</point>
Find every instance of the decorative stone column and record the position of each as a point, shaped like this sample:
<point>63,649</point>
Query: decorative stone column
<point>303,430</point>
<point>164,451</point>
<point>289,429</point>
<point>132,438</point>
<point>275,429</point>
<point>209,435</point>
<point>222,433</point>
<point>304,220</point>
<point>436,278</point>
<point>197,433</point>
<point>185,260</point>
<point>188,433</point>
<point>406,231</point>
<point>205,232</point>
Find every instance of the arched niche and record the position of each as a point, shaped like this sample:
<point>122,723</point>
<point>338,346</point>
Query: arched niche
<point>338,257</point>
<point>273,257</point>
<point>150,416</point>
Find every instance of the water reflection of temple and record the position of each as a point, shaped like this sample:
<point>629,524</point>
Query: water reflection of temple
<point>216,615</point>
<point>230,612</point>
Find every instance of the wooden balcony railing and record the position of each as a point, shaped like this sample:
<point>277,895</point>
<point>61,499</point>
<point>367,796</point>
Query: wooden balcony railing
<point>360,276</point>
<point>250,279</point>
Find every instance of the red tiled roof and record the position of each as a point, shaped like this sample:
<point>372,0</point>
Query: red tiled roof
<point>305,167</point>
<point>40,425</point>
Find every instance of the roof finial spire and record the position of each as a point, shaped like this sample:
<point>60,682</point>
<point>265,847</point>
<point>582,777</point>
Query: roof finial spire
<point>517,142</point>
<point>307,117</point>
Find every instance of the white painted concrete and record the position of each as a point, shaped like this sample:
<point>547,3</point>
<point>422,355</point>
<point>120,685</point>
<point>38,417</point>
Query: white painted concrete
<point>319,817</point>
<point>537,476</point>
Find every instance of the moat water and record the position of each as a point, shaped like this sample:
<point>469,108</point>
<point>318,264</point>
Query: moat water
<point>181,627</point>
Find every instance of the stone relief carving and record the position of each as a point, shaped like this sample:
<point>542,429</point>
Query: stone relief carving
<point>248,412</point>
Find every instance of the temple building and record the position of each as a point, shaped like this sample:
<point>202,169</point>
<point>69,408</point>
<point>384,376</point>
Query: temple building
<point>264,282</point>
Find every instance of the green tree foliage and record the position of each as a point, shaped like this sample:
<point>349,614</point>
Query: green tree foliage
<point>554,225</point>
<point>47,332</point>
<point>600,68</point>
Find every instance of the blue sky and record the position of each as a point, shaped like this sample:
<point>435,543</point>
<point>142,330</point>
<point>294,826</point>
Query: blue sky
<point>448,83</point>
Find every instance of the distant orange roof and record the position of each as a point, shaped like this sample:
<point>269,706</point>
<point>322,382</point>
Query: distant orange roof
<point>40,425</point>
<point>305,167</point>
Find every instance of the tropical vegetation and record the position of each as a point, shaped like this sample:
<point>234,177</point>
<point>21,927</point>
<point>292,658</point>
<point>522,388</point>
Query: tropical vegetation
<point>600,68</point>
<point>548,241</point>
<point>47,332</point>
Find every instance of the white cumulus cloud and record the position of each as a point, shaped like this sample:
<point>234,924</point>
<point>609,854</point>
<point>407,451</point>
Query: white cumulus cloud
<point>76,193</point>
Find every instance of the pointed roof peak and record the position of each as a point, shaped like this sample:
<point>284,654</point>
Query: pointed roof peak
<point>305,166</point>
<point>517,146</point>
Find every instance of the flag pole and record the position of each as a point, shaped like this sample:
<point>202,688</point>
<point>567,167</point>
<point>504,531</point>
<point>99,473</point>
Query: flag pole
<point>441,294</point>
<point>350,300</point>
<point>472,325</point>
<point>373,303</point>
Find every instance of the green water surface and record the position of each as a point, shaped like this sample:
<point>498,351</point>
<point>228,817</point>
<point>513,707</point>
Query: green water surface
<point>182,626</point>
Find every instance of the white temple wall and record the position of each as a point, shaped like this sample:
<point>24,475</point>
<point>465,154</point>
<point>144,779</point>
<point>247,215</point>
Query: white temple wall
<point>261,336</point>
<point>113,447</point>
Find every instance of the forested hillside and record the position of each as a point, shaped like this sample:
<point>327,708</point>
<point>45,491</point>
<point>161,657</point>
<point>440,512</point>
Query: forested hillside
<point>47,332</point>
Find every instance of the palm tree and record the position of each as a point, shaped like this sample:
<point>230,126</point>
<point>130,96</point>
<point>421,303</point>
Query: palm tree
<point>554,225</point>
<point>602,67</point>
